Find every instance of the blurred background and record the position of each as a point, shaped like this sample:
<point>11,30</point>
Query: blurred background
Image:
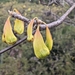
<point>21,60</point>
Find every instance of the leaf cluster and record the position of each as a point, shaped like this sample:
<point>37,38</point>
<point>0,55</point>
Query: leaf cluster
<point>21,59</point>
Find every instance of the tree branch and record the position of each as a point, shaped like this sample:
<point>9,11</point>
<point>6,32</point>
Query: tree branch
<point>70,2</point>
<point>55,23</point>
<point>60,20</point>
<point>10,47</point>
<point>18,16</point>
<point>17,43</point>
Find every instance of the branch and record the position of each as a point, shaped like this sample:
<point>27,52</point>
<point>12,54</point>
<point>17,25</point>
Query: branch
<point>17,43</point>
<point>70,2</point>
<point>10,47</point>
<point>53,2</point>
<point>60,20</point>
<point>55,23</point>
<point>18,16</point>
<point>50,3</point>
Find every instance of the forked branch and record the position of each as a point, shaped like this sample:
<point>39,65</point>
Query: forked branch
<point>53,24</point>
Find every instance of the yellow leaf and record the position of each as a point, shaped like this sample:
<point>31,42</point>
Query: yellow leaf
<point>17,11</point>
<point>29,9</point>
<point>49,40</point>
<point>3,37</point>
<point>40,49</point>
<point>29,30</point>
<point>19,25</point>
<point>8,35</point>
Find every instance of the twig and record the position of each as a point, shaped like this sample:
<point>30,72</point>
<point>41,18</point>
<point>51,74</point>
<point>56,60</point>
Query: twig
<point>8,48</point>
<point>60,20</point>
<point>18,42</point>
<point>55,23</point>
<point>70,2</point>
<point>15,15</point>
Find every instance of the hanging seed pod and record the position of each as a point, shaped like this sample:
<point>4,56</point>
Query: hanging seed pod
<point>49,40</point>
<point>40,49</point>
<point>8,35</point>
<point>19,25</point>
<point>29,30</point>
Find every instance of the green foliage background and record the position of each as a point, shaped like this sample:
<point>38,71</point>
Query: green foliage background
<point>21,59</point>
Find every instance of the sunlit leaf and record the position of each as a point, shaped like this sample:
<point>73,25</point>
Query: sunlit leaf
<point>29,30</point>
<point>40,49</point>
<point>49,40</point>
<point>8,35</point>
<point>19,25</point>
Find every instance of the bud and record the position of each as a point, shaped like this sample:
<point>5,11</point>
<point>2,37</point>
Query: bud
<point>40,49</point>
<point>19,25</point>
<point>49,41</point>
<point>8,35</point>
<point>29,30</point>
